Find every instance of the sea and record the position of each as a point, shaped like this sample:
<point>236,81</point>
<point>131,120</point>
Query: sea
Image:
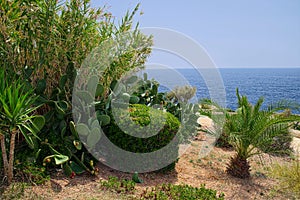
<point>274,84</point>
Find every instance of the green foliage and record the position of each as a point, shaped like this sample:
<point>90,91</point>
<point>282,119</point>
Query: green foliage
<point>45,43</point>
<point>60,138</point>
<point>147,93</point>
<point>165,191</point>
<point>250,130</point>
<point>143,91</point>
<point>16,115</point>
<point>280,144</point>
<point>180,192</point>
<point>136,178</point>
<point>175,102</point>
<point>146,120</point>
<point>189,125</point>
<point>289,176</point>
<point>205,107</point>
<point>42,38</point>
<point>32,173</point>
<point>14,191</point>
<point>223,141</point>
<point>17,103</point>
<point>143,116</point>
<point>119,186</point>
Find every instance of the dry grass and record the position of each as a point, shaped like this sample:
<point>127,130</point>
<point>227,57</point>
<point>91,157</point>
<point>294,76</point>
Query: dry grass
<point>289,176</point>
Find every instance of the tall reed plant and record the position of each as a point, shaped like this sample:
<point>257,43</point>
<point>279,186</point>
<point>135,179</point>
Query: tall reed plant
<point>43,40</point>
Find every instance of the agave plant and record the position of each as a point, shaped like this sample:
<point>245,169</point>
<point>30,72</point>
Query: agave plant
<point>251,129</point>
<point>16,107</point>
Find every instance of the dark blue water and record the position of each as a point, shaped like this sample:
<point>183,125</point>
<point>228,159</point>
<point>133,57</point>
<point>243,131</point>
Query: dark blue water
<point>273,84</point>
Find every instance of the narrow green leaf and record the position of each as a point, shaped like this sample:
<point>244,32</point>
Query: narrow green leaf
<point>76,168</point>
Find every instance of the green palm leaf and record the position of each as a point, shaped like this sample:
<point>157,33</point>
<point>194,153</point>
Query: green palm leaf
<point>252,130</point>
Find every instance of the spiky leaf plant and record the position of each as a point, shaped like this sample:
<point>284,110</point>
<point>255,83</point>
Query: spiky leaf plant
<point>250,129</point>
<point>16,116</point>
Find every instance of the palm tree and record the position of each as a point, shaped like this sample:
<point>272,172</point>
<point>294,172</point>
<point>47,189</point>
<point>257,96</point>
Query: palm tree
<point>16,107</point>
<point>251,129</point>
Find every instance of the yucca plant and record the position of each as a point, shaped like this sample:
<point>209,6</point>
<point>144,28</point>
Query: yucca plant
<point>251,129</point>
<point>16,108</point>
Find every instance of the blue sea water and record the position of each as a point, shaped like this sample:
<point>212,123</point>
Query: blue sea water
<point>274,84</point>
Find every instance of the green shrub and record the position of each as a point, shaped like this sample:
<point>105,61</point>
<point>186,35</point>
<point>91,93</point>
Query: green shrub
<point>251,130</point>
<point>175,102</point>
<point>165,191</point>
<point>45,43</point>
<point>119,186</point>
<point>31,173</point>
<point>43,38</point>
<point>279,145</point>
<point>180,192</point>
<point>143,116</point>
<point>17,116</point>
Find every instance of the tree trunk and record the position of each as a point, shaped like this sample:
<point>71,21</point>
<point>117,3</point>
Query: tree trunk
<point>4,155</point>
<point>239,167</point>
<point>10,173</point>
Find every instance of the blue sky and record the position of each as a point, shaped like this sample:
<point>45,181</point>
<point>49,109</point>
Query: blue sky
<point>235,33</point>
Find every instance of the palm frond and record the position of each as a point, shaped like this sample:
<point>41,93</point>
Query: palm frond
<point>283,105</point>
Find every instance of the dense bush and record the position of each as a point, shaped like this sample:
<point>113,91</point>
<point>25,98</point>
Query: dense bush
<point>143,116</point>
<point>137,90</point>
<point>279,145</point>
<point>174,102</point>
<point>45,43</point>
<point>43,38</point>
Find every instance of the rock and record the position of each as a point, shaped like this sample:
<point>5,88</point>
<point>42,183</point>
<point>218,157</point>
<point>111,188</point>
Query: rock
<point>295,145</point>
<point>295,133</point>
<point>205,122</point>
